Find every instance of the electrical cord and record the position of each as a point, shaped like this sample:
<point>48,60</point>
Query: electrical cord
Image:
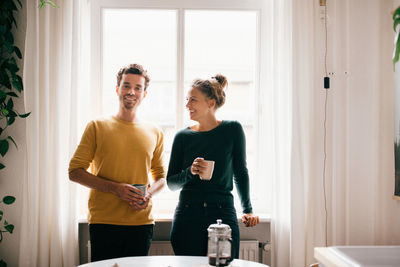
<point>326,86</point>
<point>324,178</point>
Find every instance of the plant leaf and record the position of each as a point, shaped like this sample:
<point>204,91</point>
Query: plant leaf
<point>10,40</point>
<point>5,80</point>
<point>11,113</point>
<point>395,23</point>
<point>3,263</point>
<point>8,200</point>
<point>52,4</point>
<point>396,15</point>
<point>2,95</point>
<point>12,140</point>
<point>42,3</point>
<point>12,65</point>
<point>9,47</point>
<point>3,147</point>
<point>24,115</point>
<point>12,6</point>
<point>12,94</point>
<point>18,52</point>
<point>11,120</point>
<point>396,50</point>
<point>10,104</point>
<point>396,55</point>
<point>4,111</point>
<point>9,228</point>
<point>2,166</point>
<point>17,83</point>
<point>2,29</point>
<point>1,215</point>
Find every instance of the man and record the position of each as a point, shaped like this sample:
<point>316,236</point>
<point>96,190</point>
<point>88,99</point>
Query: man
<point>122,151</point>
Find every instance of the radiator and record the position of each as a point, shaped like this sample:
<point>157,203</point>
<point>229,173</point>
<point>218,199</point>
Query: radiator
<point>248,249</point>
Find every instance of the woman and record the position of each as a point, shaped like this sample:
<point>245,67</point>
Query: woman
<point>202,202</point>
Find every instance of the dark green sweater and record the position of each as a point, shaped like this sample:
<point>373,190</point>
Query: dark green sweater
<point>226,145</point>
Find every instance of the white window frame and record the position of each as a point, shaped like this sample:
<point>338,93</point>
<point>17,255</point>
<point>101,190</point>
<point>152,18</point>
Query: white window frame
<point>260,6</point>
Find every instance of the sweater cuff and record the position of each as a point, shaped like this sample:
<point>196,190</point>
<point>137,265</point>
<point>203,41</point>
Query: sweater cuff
<point>188,173</point>
<point>248,210</point>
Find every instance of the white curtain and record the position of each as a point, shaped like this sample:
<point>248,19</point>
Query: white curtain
<point>54,78</point>
<point>359,180</point>
<point>275,126</point>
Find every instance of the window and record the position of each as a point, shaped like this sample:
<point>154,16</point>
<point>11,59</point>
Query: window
<point>177,42</point>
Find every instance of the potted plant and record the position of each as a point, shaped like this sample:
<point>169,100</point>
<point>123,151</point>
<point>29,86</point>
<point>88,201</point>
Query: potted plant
<point>10,88</point>
<point>396,21</point>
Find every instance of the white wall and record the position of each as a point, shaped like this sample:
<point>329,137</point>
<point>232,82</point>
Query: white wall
<point>11,177</point>
<point>360,165</point>
<point>361,114</point>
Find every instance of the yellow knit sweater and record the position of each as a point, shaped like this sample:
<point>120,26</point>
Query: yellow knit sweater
<point>122,152</point>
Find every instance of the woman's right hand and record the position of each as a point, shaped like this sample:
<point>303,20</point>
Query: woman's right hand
<point>250,220</point>
<point>198,166</point>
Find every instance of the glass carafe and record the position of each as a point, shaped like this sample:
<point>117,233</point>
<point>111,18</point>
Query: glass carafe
<point>220,247</point>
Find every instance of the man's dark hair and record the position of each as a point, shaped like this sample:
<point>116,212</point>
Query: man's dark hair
<point>134,69</point>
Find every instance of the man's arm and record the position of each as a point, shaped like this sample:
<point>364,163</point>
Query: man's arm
<point>123,191</point>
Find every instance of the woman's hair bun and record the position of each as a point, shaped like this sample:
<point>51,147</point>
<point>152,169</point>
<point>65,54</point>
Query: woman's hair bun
<point>221,80</point>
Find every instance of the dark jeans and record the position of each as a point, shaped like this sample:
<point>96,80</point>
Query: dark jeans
<point>114,241</point>
<point>189,234</point>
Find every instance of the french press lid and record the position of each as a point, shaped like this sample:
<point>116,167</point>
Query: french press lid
<point>219,229</point>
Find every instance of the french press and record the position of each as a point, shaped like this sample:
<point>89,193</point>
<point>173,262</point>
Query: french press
<point>220,247</point>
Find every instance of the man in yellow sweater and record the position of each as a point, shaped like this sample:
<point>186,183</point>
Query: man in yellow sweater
<point>122,151</point>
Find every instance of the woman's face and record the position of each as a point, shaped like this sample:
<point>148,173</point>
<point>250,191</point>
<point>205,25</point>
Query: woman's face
<point>198,105</point>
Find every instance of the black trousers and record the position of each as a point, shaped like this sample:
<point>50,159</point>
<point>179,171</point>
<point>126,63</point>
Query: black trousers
<point>114,241</point>
<point>189,234</point>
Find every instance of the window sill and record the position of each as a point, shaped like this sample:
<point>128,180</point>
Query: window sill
<point>167,217</point>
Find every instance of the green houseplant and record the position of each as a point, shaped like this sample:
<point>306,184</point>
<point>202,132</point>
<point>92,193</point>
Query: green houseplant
<point>396,21</point>
<point>396,56</point>
<point>10,88</point>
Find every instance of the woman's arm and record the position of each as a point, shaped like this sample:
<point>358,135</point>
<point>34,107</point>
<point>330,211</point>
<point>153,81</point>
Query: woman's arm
<point>240,172</point>
<point>177,175</point>
<point>241,175</point>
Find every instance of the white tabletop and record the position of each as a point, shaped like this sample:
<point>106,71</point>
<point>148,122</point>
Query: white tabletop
<point>166,261</point>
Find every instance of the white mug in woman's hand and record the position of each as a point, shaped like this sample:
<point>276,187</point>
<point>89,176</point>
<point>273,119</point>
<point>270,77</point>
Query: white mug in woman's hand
<point>208,171</point>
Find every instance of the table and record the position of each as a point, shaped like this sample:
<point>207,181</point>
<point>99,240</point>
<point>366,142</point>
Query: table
<point>166,261</point>
<point>358,256</point>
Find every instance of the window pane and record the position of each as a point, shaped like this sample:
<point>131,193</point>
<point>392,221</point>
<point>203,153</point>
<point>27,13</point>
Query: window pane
<point>215,42</point>
<point>225,42</point>
<point>147,37</point>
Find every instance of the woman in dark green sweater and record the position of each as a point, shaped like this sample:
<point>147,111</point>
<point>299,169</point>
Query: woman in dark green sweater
<point>202,202</point>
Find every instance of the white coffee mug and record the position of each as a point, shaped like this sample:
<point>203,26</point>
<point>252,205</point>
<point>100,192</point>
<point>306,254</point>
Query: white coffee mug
<point>208,172</point>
